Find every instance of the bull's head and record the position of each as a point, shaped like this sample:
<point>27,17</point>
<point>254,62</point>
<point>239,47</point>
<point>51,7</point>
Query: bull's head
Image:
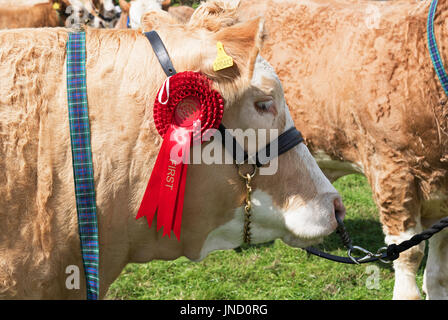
<point>294,202</point>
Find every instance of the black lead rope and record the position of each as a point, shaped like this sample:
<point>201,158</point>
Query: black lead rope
<point>385,254</point>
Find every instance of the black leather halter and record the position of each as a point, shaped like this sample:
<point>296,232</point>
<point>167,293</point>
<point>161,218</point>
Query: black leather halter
<point>285,141</point>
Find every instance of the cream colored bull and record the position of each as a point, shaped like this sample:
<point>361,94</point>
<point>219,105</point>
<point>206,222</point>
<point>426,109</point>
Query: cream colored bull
<point>359,80</point>
<point>38,221</point>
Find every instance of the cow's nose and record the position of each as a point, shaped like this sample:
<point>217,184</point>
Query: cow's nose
<point>339,209</point>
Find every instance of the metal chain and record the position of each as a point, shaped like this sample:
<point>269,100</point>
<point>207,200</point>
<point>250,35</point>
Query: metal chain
<point>247,210</point>
<point>247,177</point>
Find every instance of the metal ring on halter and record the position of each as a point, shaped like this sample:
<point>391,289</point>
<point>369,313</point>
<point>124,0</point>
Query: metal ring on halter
<point>358,261</point>
<point>244,176</point>
<point>379,254</point>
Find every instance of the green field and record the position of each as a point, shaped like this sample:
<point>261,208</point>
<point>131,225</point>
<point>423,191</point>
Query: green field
<point>273,272</point>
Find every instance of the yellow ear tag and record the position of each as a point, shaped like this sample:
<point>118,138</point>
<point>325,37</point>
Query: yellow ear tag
<point>56,6</point>
<point>222,60</point>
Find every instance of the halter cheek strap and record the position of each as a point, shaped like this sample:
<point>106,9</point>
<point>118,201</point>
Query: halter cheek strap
<point>285,142</point>
<point>161,52</point>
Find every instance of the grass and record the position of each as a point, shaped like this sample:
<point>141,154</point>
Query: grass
<point>191,3</point>
<point>276,271</point>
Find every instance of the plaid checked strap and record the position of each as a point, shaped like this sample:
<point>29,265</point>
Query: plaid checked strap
<point>433,50</point>
<point>82,160</point>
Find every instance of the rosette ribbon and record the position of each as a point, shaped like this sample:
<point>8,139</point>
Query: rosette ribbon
<point>186,107</point>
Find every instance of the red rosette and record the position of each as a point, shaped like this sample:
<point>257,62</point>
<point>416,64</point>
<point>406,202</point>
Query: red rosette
<point>185,86</point>
<point>185,101</point>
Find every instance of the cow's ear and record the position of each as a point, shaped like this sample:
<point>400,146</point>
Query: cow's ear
<point>63,4</point>
<point>243,43</point>
<point>155,19</point>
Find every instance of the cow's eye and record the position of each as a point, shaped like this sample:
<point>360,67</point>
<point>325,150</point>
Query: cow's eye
<point>264,106</point>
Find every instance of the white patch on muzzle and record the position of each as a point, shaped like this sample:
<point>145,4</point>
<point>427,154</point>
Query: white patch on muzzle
<point>297,227</point>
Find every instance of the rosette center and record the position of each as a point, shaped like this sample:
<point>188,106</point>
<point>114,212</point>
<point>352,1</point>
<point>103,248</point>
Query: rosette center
<point>187,112</point>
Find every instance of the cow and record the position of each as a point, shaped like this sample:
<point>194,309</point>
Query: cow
<point>46,14</point>
<point>360,83</point>
<point>38,221</point>
<point>86,12</point>
<point>107,9</point>
<point>101,13</point>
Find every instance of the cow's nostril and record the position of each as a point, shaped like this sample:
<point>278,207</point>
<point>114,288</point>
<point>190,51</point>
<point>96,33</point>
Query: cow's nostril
<point>339,209</point>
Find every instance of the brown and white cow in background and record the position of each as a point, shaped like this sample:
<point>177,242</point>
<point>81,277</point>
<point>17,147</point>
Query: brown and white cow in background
<point>107,9</point>
<point>57,13</point>
<point>360,83</point>
<point>38,222</point>
<point>181,14</point>
<point>32,14</point>
<point>93,13</point>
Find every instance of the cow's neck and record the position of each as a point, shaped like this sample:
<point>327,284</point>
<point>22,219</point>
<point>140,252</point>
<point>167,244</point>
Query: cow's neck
<point>125,147</point>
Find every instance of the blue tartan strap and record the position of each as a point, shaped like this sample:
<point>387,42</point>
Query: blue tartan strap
<point>82,160</point>
<point>433,50</point>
